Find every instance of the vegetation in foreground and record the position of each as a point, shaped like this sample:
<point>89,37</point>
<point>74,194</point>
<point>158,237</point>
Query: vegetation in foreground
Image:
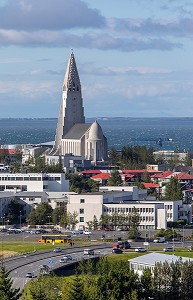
<point>114,280</point>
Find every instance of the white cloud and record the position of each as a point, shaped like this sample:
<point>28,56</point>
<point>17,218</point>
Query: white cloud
<point>48,15</point>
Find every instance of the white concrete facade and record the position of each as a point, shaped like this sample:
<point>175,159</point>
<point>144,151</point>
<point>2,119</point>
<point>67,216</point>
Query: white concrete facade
<point>30,182</point>
<point>153,214</point>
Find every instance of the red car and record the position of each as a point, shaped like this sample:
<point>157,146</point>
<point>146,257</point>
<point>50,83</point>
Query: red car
<point>107,229</point>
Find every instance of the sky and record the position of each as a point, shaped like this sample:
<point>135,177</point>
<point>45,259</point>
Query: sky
<point>135,58</point>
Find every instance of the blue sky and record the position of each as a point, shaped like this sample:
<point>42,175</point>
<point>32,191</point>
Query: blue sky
<point>134,57</point>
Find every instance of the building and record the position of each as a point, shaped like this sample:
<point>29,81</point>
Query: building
<point>138,264</point>
<point>30,182</point>
<point>30,153</point>
<point>168,155</point>
<point>73,135</point>
<point>71,163</point>
<point>154,214</point>
<point>5,200</point>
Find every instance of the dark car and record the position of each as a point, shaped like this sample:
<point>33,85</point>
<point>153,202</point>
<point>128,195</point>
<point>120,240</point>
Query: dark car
<point>30,275</point>
<point>117,251</point>
<point>57,249</point>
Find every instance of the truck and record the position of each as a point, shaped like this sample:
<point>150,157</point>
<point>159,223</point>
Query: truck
<point>121,245</point>
<point>160,239</point>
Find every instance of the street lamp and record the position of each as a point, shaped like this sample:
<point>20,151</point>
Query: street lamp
<point>20,219</point>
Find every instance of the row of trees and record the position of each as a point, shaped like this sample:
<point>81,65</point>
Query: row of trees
<point>130,221</point>
<point>132,157</point>
<point>45,214</point>
<point>107,280</point>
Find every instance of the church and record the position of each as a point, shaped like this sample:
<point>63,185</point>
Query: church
<point>73,136</point>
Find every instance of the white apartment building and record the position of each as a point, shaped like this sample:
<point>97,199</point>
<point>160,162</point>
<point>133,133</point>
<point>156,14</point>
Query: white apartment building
<point>30,182</point>
<point>30,200</point>
<point>154,214</point>
<point>5,200</point>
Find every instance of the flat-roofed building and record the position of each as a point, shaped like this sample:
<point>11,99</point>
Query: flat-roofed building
<point>138,264</point>
<point>38,182</point>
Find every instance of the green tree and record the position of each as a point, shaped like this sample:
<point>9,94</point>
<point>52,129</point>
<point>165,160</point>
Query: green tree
<point>75,291</point>
<point>114,179</point>
<point>58,214</point>
<point>14,211</point>
<point>173,190</point>
<point>41,215</point>
<point>134,221</point>
<point>145,177</point>
<point>114,156</point>
<point>7,292</point>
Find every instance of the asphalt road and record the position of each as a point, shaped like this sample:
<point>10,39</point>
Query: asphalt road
<point>31,263</point>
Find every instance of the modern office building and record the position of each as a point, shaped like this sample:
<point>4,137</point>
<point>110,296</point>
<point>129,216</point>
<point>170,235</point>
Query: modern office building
<point>30,182</point>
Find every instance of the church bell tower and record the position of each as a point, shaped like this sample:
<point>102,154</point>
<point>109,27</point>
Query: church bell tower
<point>71,109</point>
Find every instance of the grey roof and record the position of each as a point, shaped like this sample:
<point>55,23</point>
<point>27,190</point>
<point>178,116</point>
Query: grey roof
<point>30,194</point>
<point>151,259</point>
<point>6,194</point>
<point>77,131</point>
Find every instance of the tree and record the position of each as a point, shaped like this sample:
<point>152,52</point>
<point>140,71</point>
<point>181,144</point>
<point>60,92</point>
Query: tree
<point>173,190</point>
<point>115,179</point>
<point>7,292</point>
<point>134,221</point>
<point>145,177</point>
<point>41,215</point>
<point>14,211</point>
<point>75,291</point>
<point>58,214</point>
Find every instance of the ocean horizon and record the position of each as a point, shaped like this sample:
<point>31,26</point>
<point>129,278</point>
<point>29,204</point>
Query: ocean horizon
<point>120,131</point>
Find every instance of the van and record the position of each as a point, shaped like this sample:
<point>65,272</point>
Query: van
<point>160,239</point>
<point>168,249</point>
<point>88,252</point>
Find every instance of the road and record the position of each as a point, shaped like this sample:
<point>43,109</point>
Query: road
<point>31,263</point>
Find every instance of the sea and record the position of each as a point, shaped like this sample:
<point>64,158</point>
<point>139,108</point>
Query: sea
<point>160,133</point>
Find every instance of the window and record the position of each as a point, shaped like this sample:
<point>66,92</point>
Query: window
<point>81,219</point>
<point>82,200</point>
<point>81,210</point>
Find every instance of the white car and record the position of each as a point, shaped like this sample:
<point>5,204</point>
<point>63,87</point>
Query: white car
<point>63,260</point>
<point>87,232</point>
<point>140,249</point>
<point>168,249</point>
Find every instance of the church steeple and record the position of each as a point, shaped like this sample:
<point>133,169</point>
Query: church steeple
<point>71,109</point>
<point>71,79</point>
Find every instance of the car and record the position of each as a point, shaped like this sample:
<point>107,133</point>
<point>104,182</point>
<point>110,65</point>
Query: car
<point>87,232</point>
<point>168,249</point>
<point>140,249</point>
<point>77,232</point>
<point>117,251</point>
<point>67,257</point>
<point>88,252</point>
<point>107,229</point>
<point>57,249</point>
<point>29,275</point>
<point>63,260</point>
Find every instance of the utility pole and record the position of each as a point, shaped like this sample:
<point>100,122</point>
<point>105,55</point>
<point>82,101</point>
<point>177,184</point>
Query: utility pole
<point>20,219</point>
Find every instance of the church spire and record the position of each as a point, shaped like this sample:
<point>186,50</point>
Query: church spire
<point>71,79</point>
<point>71,109</point>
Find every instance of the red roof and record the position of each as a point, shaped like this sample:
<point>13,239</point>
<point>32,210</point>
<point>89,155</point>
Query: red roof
<point>127,175</point>
<point>101,176</point>
<point>184,176</point>
<point>140,171</point>
<point>90,172</point>
<point>7,151</point>
<point>149,185</point>
<point>163,175</point>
